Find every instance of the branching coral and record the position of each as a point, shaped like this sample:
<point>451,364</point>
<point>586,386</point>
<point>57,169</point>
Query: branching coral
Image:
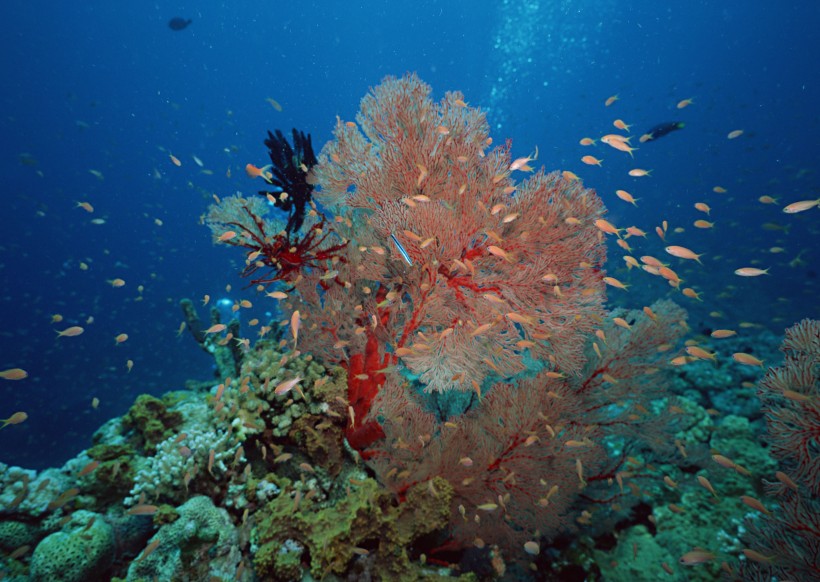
<point>167,476</point>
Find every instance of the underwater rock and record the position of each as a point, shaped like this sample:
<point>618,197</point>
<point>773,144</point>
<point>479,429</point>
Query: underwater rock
<point>200,545</point>
<point>82,551</point>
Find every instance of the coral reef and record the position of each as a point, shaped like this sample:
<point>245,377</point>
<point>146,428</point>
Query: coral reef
<point>366,521</point>
<point>439,392</point>
<point>201,544</point>
<point>83,550</point>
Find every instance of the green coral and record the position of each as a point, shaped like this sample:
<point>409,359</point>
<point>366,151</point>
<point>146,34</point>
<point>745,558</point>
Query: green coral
<point>366,519</point>
<point>152,420</point>
<point>114,477</point>
<point>14,534</point>
<point>83,550</point>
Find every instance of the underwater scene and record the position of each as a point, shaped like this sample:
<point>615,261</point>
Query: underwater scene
<point>370,291</point>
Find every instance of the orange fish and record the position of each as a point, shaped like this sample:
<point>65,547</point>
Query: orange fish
<point>587,141</point>
<point>121,338</point>
<point>286,386</point>
<point>621,144</point>
<point>735,134</point>
<point>85,206</point>
<point>263,172</point>
<point>116,282</point>
<point>696,557</point>
<point>627,197</point>
<point>14,374</point>
<point>801,206</point>
<point>638,173</point>
<point>72,331</point>
<point>15,418</point>
<point>723,333</point>
<point>591,161</point>
<point>683,253</point>
<point>684,103</point>
<point>621,125</point>
<point>216,328</point>
<point>615,283</point>
<point>174,160</point>
<point>611,100</point>
<point>295,321</point>
<point>226,236</point>
<point>88,468</point>
<point>748,359</point>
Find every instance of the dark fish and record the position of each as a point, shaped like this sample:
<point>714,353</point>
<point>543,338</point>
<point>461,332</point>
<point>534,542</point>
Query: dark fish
<point>663,129</point>
<point>178,23</point>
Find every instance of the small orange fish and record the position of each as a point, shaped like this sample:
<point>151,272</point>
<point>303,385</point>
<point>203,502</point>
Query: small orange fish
<point>735,134</point>
<point>626,197</point>
<point>684,103</point>
<point>696,557</point>
<point>15,418</point>
<point>612,281</point>
<point>143,509</point>
<point>638,172</point>
<point>587,141</point>
<point>611,100</point>
<point>120,338</point>
<point>683,253</point>
<point>295,321</point>
<point>72,331</point>
<point>14,374</point>
<point>748,359</point>
<point>801,206</point>
<point>174,160</point>
<point>88,468</point>
<point>116,282</point>
<point>216,328</point>
<point>704,482</point>
<point>591,161</point>
<point>723,333</point>
<point>286,386</point>
<point>226,236</point>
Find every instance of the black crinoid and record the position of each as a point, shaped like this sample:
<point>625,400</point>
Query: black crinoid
<point>291,171</point>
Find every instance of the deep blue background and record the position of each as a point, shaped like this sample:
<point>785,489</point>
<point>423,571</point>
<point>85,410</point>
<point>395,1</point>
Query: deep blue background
<point>108,86</point>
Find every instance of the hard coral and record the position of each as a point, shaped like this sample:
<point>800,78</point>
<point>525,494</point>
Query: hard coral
<point>335,535</point>
<point>82,551</point>
<point>199,545</point>
<point>153,422</point>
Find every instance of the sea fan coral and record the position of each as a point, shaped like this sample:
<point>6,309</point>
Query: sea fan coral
<point>497,268</point>
<point>788,539</point>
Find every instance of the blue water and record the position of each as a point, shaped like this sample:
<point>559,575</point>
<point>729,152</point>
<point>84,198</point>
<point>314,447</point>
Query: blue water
<point>109,87</point>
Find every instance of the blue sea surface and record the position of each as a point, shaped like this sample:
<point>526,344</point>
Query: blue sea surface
<point>98,96</point>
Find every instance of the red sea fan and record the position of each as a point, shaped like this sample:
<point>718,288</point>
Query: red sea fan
<point>498,269</point>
